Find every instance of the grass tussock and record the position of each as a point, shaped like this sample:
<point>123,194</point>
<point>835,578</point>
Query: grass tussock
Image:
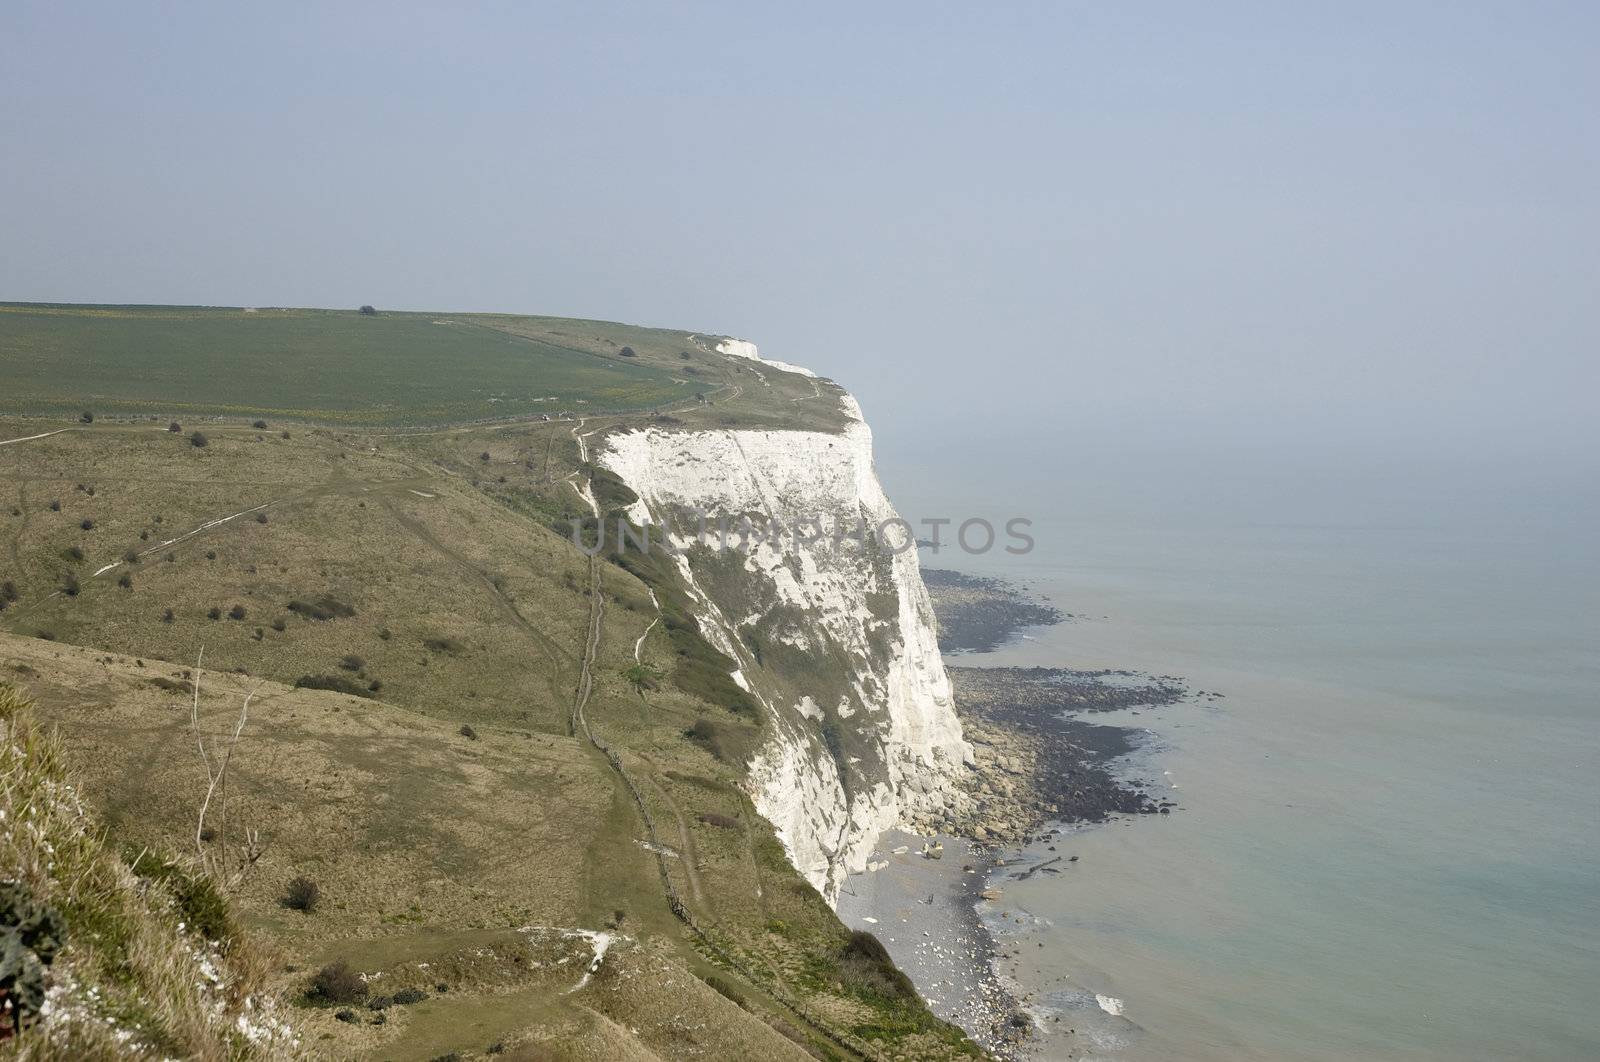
<point>125,956</point>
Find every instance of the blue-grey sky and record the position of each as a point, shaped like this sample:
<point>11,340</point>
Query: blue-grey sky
<point>1346,228</point>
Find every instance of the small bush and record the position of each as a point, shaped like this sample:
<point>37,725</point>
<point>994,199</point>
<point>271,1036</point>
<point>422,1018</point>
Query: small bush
<point>261,518</point>
<point>684,355</point>
<point>125,581</point>
<point>443,645</point>
<point>175,427</point>
<point>325,607</point>
<point>302,895</point>
<point>468,733</point>
<point>211,554</point>
<point>167,616</point>
<point>337,983</point>
<point>131,557</point>
<point>279,625</point>
<point>8,591</point>
<point>368,311</point>
<point>385,634</point>
<point>336,683</point>
<point>203,906</point>
<point>407,996</point>
<point>87,417</point>
<point>348,1016</point>
<point>864,964</point>
<point>69,585</point>
<point>87,524</point>
<point>726,990</point>
<point>73,553</point>
<point>259,424</point>
<point>380,1002</point>
<point>284,435</point>
<point>55,505</point>
<point>236,612</point>
<point>198,439</point>
<point>352,662</point>
<point>627,352</point>
<point>213,613</point>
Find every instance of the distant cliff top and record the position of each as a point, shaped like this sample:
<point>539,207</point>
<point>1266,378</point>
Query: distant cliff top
<point>365,368</point>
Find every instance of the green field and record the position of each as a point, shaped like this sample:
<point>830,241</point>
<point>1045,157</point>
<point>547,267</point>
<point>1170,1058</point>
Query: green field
<point>320,365</point>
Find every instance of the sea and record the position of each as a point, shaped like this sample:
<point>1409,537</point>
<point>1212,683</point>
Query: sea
<point>1388,837</point>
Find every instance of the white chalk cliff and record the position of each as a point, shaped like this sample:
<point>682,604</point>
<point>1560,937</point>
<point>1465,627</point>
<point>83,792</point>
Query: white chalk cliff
<point>834,638</point>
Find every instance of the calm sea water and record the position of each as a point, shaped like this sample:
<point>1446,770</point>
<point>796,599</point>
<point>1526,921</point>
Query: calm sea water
<point>1389,843</point>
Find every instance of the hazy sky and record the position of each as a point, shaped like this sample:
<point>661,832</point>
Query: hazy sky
<point>1342,228</point>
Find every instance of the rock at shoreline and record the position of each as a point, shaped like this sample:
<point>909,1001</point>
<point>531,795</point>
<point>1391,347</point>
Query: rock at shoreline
<point>978,615</point>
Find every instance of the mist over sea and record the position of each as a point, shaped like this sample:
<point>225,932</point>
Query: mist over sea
<point>1389,837</point>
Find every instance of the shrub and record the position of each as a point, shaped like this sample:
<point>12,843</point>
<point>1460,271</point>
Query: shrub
<point>302,895</point>
<point>131,557</point>
<point>87,417</point>
<point>261,518</point>
<point>368,311</point>
<point>408,996</point>
<point>484,456</point>
<point>726,990</point>
<point>174,427</point>
<point>380,1002</point>
<point>442,645</point>
<point>236,612</point>
<point>214,613</point>
<point>627,352</point>
<point>87,524</point>
<point>325,607</point>
<point>73,553</point>
<point>167,617</point>
<point>345,1015</point>
<point>285,435</point>
<point>34,931</point>
<point>125,581</point>
<point>8,591</point>
<point>468,733</point>
<point>44,635</point>
<point>336,683</point>
<point>385,634</point>
<point>259,424</point>
<point>69,585</point>
<point>684,355</point>
<point>724,822</point>
<point>352,662</point>
<point>198,439</point>
<point>337,983</point>
<point>278,624</point>
<point>864,964</point>
<point>201,903</point>
<point>211,554</point>
<point>55,505</point>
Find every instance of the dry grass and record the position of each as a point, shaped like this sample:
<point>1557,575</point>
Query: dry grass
<point>133,979</point>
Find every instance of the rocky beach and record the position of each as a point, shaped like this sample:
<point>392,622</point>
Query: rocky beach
<point>937,898</point>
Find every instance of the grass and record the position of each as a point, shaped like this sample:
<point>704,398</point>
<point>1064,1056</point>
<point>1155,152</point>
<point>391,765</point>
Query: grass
<point>412,562</point>
<point>328,366</point>
<point>148,959</point>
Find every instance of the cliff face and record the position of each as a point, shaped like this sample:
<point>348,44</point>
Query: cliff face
<point>830,624</point>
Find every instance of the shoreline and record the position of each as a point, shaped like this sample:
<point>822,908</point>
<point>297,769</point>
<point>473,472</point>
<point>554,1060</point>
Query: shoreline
<point>1042,773</point>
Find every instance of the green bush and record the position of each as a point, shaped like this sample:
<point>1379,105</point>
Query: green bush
<point>204,908</point>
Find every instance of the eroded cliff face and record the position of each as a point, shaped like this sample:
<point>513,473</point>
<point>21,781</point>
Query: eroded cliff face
<point>829,623</point>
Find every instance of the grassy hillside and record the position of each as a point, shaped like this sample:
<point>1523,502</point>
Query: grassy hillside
<point>324,365</point>
<point>414,627</point>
